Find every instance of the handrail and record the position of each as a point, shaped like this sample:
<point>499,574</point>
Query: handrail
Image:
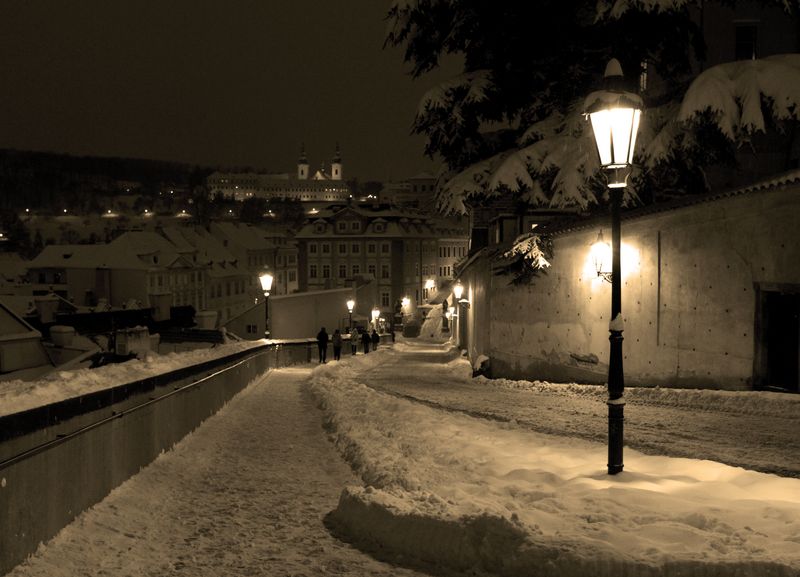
<point>62,438</point>
<point>17,424</point>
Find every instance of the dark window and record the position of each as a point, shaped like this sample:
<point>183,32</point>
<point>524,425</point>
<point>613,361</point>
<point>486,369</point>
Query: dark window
<point>746,42</point>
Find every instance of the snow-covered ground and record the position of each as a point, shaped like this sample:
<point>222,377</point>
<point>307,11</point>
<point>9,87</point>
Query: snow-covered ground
<point>244,494</point>
<point>437,485</point>
<point>466,492</point>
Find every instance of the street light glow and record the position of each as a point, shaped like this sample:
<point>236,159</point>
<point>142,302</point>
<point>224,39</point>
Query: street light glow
<point>266,282</point>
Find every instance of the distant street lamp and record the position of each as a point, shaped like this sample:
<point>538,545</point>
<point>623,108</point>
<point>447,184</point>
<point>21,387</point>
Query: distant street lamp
<point>266,285</point>
<point>458,290</point>
<point>614,113</point>
<point>350,306</point>
<point>375,314</point>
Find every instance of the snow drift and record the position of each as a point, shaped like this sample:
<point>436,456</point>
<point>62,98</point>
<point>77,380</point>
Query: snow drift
<point>448,490</point>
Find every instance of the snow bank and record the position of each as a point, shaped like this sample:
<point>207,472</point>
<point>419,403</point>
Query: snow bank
<point>450,490</point>
<point>432,326</point>
<point>736,402</point>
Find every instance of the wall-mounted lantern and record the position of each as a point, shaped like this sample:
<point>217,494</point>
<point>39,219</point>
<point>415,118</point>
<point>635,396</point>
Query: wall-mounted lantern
<point>601,258</point>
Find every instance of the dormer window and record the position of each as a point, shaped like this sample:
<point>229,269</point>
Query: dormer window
<point>155,259</point>
<point>355,226</point>
<point>341,226</point>
<point>380,227</point>
<point>319,228</point>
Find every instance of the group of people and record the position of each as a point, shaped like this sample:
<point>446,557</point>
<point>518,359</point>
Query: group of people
<point>356,335</point>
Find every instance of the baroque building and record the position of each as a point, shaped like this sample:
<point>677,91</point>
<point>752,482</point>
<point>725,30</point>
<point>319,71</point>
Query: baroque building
<point>399,250</point>
<point>321,186</point>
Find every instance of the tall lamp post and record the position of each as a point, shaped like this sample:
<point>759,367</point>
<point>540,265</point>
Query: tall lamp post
<point>350,306</point>
<point>614,113</point>
<point>266,285</point>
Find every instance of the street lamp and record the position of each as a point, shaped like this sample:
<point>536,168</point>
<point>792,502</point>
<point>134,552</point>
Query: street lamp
<point>266,285</point>
<point>614,113</point>
<point>350,306</point>
<point>375,314</point>
<point>458,290</point>
<point>601,257</point>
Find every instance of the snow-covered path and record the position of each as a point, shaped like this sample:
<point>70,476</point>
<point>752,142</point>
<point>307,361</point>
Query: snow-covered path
<point>244,494</point>
<point>724,427</point>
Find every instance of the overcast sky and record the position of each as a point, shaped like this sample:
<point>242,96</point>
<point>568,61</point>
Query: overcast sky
<point>239,82</point>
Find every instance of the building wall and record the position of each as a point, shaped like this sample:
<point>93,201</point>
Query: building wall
<point>301,315</point>
<point>691,283</point>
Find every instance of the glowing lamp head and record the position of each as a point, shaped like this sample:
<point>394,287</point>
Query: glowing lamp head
<point>458,290</point>
<point>266,281</point>
<point>405,302</point>
<point>430,284</point>
<point>350,305</point>
<point>614,113</point>
<point>376,313</point>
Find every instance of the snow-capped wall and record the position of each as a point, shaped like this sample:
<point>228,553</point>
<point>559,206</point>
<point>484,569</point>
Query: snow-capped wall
<point>696,281</point>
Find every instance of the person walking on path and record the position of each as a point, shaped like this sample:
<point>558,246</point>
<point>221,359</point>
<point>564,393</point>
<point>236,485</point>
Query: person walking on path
<point>322,343</point>
<point>337,345</point>
<point>354,337</point>
<point>365,340</point>
<point>375,340</point>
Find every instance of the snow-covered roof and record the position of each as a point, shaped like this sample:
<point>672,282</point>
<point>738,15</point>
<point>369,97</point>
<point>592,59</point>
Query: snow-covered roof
<point>243,235</point>
<point>87,256</point>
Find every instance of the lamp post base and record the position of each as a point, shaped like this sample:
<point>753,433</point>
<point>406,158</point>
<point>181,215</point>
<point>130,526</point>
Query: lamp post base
<point>616,420</point>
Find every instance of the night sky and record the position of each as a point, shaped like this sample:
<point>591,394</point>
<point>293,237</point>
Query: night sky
<point>234,83</point>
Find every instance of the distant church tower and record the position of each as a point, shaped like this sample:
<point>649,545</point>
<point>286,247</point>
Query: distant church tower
<point>336,165</point>
<point>302,164</point>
